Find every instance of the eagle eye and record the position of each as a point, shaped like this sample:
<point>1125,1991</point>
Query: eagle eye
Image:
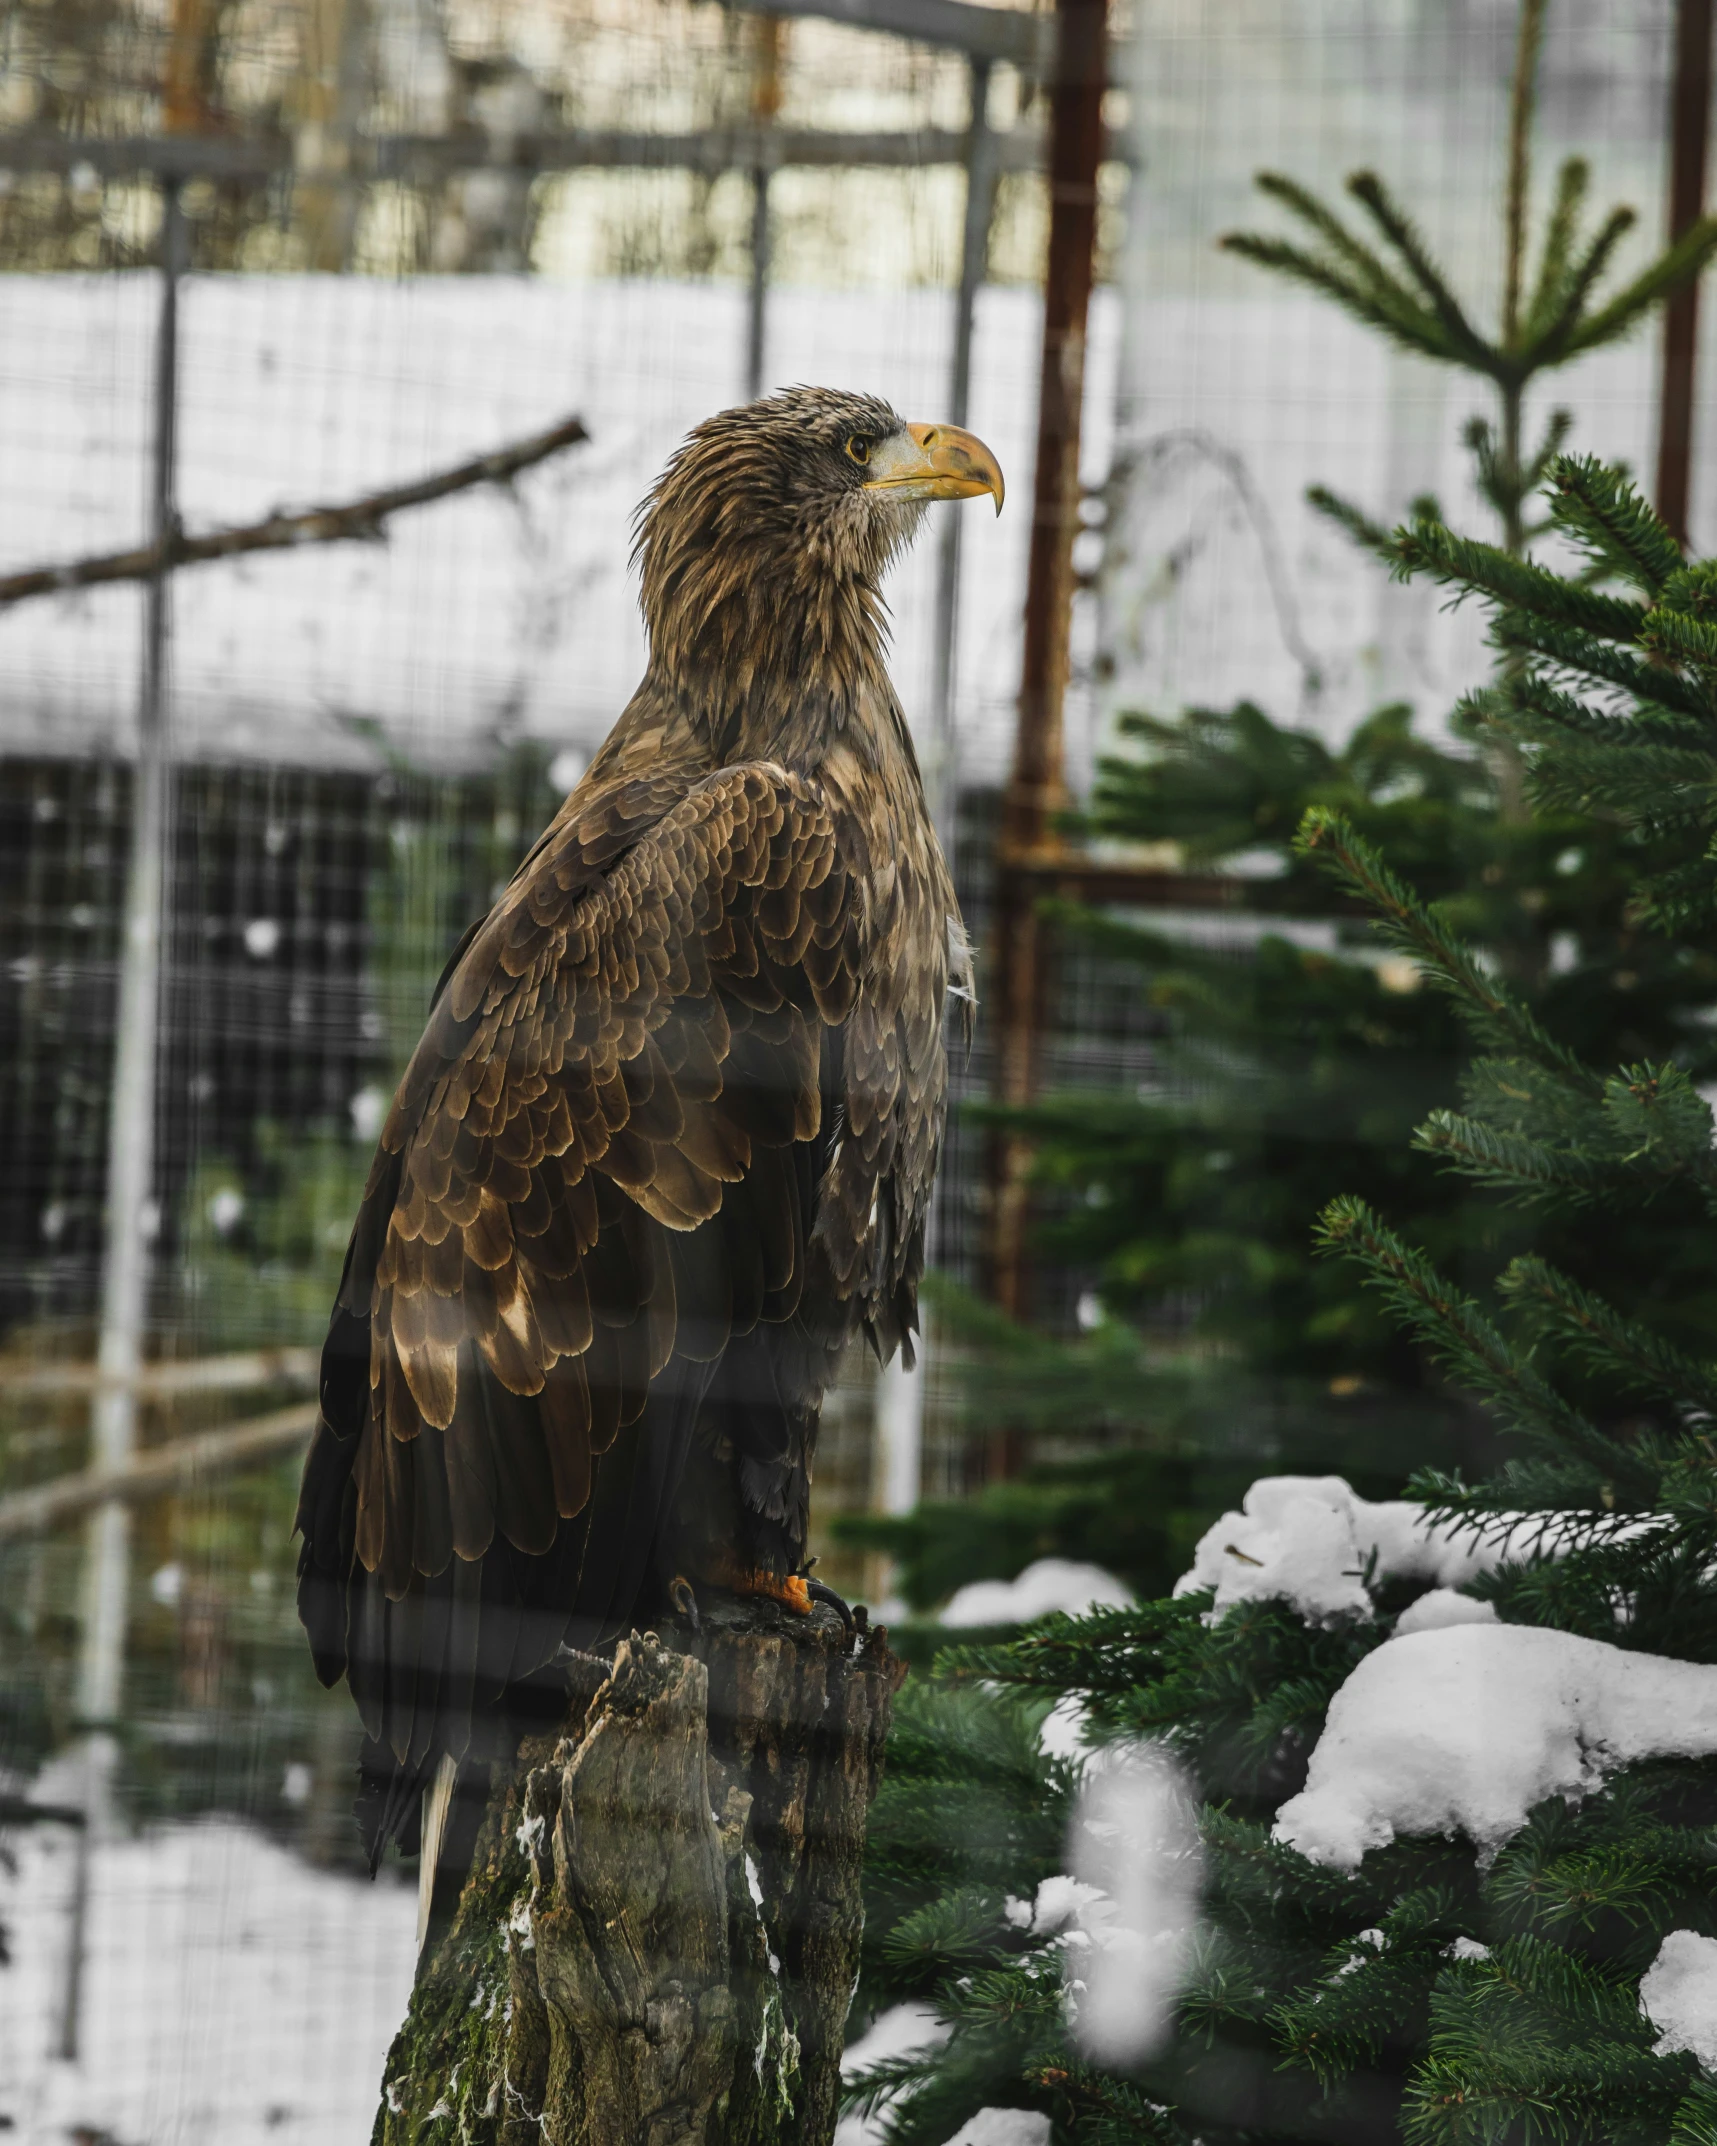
<point>858,450</point>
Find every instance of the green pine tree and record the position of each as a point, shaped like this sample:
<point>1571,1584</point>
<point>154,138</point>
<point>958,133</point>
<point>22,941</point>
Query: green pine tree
<point>1430,1996</point>
<point>1225,1347</point>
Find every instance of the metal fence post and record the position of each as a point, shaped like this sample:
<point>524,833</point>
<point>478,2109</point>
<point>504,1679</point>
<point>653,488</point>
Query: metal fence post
<point>900,1392</point>
<point>974,259</point>
<point>131,1220</point>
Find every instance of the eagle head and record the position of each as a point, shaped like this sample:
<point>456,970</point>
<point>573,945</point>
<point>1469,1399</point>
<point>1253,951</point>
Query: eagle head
<point>763,544</point>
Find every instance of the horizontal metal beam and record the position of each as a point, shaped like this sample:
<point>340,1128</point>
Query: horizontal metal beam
<point>1135,885</point>
<point>157,1471</point>
<point>162,1381</point>
<point>420,156</point>
<point>710,151</point>
<point>983,33</point>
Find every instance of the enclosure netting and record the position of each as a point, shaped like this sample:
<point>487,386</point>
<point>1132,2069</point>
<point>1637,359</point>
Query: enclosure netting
<point>365,738</point>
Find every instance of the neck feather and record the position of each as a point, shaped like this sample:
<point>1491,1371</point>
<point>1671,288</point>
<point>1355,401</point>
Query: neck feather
<point>770,659</point>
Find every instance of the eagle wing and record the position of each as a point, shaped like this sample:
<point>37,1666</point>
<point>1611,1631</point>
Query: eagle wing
<point>656,1102</point>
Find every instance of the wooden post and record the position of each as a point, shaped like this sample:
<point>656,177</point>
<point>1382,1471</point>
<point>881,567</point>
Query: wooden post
<point>659,1938</point>
<point>1036,792</point>
<point>1690,111</point>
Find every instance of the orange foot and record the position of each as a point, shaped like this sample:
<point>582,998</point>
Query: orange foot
<point>791,1591</point>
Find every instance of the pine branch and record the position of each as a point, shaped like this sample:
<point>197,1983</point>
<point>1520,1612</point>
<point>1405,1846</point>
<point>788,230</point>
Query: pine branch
<point>1548,292</point>
<point>1300,201</point>
<point>1557,428</point>
<point>1496,486</point>
<point>1692,590</point>
<point>1659,1120</point>
<point>1397,227</point>
<point>1370,535</point>
<point>1459,1334</point>
<point>1677,265</point>
<point>1680,637</point>
<point>1522,633</point>
<point>1531,706</point>
<point>1564,1491</point>
<point>1682,897</point>
<point>1599,511</point>
<point>1602,1337</point>
<point>1695,2122</point>
<point>1506,1161</point>
<point>1461,562</point>
<point>1414,326</point>
<point>1419,931</point>
<point>1587,781</point>
<point>1371,1987</point>
<point>1559,335</point>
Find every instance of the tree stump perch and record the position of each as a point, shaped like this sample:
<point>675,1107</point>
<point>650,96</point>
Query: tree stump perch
<point>659,1937</point>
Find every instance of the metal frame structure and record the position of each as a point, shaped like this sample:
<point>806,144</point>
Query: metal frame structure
<point>988,37</point>
<point>1689,129</point>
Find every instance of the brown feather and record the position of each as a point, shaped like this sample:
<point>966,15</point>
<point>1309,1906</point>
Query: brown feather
<point>432,1515</point>
<point>610,1148</point>
<point>470,1466</point>
<point>565,1408</point>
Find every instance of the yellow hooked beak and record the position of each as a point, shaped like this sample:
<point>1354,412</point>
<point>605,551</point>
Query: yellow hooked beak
<point>934,462</point>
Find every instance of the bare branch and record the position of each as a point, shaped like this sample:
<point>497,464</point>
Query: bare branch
<point>360,521</point>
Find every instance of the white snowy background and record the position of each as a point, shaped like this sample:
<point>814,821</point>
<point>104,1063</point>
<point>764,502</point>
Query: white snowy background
<point>483,618</point>
<point>233,1995</point>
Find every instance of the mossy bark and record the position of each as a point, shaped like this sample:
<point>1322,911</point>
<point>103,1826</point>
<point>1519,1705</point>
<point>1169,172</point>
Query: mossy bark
<point>659,1937</point>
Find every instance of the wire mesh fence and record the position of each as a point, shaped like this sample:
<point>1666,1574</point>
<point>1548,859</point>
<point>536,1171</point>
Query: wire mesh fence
<point>418,235</point>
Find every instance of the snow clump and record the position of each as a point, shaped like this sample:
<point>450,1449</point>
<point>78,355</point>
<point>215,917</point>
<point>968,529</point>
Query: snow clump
<point>1440,1608</point>
<point>1464,1729</point>
<point>1003,2127</point>
<point>1053,1583</point>
<point>1309,1540</point>
<point>1679,1996</point>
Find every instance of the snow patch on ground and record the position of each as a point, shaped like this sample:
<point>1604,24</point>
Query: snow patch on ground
<point>1053,1583</point>
<point>232,1996</point>
<point>1679,1995</point>
<point>1309,1540</point>
<point>1464,1729</point>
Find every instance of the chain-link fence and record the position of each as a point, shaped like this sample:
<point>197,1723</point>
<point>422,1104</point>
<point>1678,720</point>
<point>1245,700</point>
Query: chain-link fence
<point>413,235</point>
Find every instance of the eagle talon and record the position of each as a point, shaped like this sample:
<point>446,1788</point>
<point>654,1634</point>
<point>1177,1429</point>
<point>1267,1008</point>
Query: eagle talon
<point>818,1592</point>
<point>680,1594</point>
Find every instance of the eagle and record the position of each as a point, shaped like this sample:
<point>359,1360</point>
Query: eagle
<point>668,1141</point>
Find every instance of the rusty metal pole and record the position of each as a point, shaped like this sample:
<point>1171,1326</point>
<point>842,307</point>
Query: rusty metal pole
<point>1036,792</point>
<point>1689,122</point>
<point>765,107</point>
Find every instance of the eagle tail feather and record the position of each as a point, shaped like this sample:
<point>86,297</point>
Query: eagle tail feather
<point>437,1807</point>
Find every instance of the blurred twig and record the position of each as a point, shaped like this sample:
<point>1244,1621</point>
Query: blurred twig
<point>362,521</point>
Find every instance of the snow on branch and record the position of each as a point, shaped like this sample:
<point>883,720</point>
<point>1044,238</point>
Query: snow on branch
<point>1309,1540</point>
<point>1465,1730</point>
<point>361,520</point>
